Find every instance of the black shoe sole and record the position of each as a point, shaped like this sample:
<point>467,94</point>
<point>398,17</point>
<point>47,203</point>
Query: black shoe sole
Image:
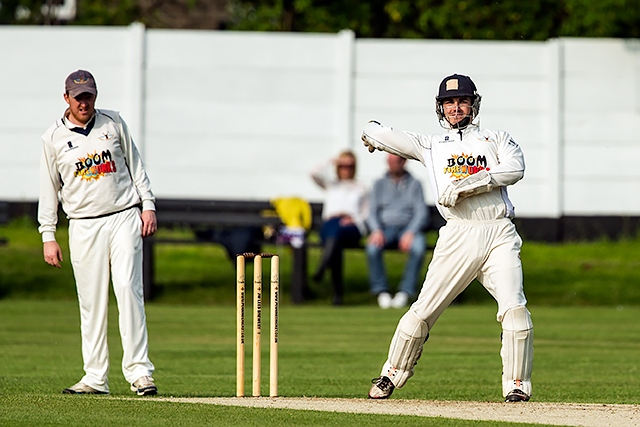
<point>516,398</point>
<point>151,391</point>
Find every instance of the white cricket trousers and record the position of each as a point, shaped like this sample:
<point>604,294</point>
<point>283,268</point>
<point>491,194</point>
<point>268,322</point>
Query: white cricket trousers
<point>466,250</point>
<point>98,247</point>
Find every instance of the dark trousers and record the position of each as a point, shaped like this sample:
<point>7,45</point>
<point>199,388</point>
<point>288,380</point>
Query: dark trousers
<point>335,238</point>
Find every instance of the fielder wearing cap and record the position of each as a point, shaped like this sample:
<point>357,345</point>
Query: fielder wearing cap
<point>80,81</point>
<point>91,165</point>
<point>469,169</point>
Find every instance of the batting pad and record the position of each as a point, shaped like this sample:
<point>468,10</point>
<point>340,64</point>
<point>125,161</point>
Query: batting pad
<point>406,348</point>
<point>517,350</point>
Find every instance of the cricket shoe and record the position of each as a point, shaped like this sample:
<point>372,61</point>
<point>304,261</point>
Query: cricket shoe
<point>382,388</point>
<point>82,388</point>
<point>517,395</point>
<point>144,386</point>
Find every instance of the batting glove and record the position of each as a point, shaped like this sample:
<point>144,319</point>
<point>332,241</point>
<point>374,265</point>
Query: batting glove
<point>449,196</point>
<point>368,144</point>
<point>470,186</point>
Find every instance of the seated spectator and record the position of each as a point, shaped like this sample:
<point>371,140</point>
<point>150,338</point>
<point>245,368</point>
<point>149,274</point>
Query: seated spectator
<point>397,219</point>
<point>344,213</point>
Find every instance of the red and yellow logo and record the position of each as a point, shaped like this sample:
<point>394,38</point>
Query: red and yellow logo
<point>462,165</point>
<point>95,166</point>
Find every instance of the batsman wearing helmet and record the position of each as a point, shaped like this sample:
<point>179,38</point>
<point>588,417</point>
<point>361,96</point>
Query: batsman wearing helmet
<point>469,169</point>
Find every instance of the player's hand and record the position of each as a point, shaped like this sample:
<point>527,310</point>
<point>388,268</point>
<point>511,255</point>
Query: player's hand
<point>367,144</point>
<point>468,186</point>
<point>376,238</point>
<point>449,197</point>
<point>149,223</point>
<point>52,253</point>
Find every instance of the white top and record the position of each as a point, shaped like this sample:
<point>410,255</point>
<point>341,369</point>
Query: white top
<point>343,197</point>
<point>91,175</point>
<point>455,155</point>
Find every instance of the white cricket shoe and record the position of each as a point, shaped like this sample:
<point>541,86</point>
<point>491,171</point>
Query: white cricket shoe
<point>400,300</point>
<point>82,388</point>
<point>384,300</point>
<point>144,386</point>
<point>382,388</point>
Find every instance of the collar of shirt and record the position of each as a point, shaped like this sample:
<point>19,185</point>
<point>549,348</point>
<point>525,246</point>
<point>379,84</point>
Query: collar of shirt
<point>83,130</point>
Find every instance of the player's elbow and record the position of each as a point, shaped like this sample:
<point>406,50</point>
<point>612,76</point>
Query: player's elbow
<point>503,179</point>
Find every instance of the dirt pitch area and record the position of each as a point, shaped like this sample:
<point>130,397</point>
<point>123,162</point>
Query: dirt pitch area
<point>560,414</point>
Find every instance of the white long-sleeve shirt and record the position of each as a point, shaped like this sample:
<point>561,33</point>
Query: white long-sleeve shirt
<point>92,171</point>
<point>455,155</point>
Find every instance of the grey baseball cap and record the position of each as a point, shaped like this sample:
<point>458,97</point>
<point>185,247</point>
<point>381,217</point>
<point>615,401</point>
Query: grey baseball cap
<point>80,81</point>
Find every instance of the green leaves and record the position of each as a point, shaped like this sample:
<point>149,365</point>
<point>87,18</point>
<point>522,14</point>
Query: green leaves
<point>442,19</point>
<point>434,19</point>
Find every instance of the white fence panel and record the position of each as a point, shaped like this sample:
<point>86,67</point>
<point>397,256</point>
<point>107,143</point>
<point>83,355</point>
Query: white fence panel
<point>246,115</point>
<point>241,115</point>
<point>35,63</point>
<point>602,140</point>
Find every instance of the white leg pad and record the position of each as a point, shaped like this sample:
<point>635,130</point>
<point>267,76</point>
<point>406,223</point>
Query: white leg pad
<point>406,348</point>
<point>517,350</point>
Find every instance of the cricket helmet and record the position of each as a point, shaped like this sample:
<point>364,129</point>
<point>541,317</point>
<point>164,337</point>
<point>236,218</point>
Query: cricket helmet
<point>458,85</point>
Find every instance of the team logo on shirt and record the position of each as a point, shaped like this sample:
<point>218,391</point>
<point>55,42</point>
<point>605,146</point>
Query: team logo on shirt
<point>462,165</point>
<point>95,166</point>
<point>105,136</point>
<point>71,146</point>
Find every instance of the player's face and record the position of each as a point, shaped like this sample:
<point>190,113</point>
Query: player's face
<point>456,109</point>
<point>82,107</point>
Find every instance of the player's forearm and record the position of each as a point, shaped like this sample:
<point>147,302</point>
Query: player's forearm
<point>136,169</point>
<point>511,167</point>
<point>48,198</point>
<point>48,219</point>
<point>504,178</point>
<point>390,140</point>
<point>508,172</point>
<point>143,186</point>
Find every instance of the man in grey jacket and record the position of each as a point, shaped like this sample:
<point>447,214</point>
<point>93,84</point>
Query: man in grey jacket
<point>397,219</point>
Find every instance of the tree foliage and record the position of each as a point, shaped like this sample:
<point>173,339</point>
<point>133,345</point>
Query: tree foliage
<point>199,14</point>
<point>444,19</point>
<point>435,19</point>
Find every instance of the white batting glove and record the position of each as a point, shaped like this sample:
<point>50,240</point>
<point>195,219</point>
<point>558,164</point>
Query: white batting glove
<point>449,196</point>
<point>368,144</point>
<point>475,184</point>
<point>370,147</point>
<point>470,186</point>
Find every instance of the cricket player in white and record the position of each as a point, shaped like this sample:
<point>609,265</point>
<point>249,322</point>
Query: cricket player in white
<point>91,165</point>
<point>469,169</point>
